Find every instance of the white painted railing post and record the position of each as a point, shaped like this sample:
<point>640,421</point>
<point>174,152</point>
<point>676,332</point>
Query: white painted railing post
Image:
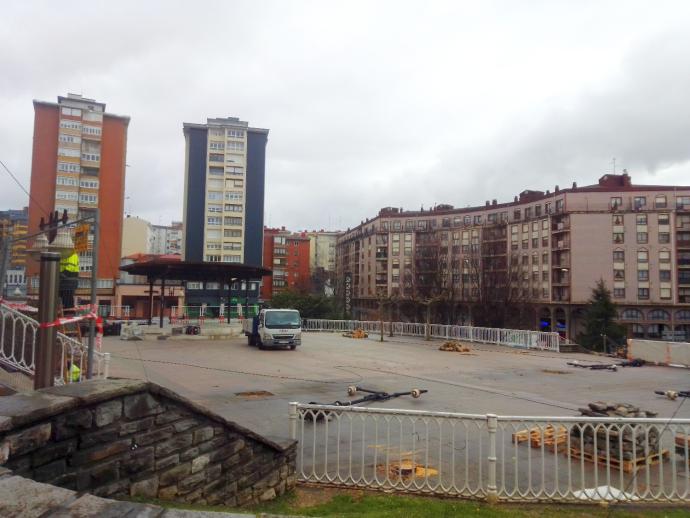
<point>106,365</point>
<point>292,415</point>
<point>491,490</point>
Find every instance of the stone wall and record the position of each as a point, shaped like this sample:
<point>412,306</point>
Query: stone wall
<point>129,438</point>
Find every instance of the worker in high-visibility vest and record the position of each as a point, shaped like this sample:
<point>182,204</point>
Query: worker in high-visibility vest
<point>74,372</point>
<point>69,278</point>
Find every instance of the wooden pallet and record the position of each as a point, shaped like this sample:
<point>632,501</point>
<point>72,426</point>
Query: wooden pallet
<point>552,438</point>
<point>628,466</point>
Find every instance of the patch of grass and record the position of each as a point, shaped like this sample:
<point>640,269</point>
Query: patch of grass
<point>355,504</point>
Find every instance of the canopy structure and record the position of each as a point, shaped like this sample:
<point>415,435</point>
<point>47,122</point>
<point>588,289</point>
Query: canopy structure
<point>172,269</point>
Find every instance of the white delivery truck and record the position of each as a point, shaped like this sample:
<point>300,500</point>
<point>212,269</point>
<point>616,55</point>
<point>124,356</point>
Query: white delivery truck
<point>274,328</point>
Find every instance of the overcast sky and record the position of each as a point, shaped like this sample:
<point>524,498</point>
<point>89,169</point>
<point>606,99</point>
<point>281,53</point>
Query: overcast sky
<point>370,104</point>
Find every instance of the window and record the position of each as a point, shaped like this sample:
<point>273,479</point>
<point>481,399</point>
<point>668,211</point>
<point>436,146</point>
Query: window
<point>660,201</point>
<point>91,157</point>
<point>478,220</point>
<point>235,146</point>
<point>616,202</point>
<point>641,219</point>
<point>69,139</point>
<point>74,112</point>
<point>642,256</point>
<point>618,256</point>
<point>664,275</point>
<point>682,202</point>
<point>663,219</point>
<point>67,167</point>
<point>219,146</point>
<point>639,202</point>
<point>93,116</point>
<point>632,314</point>
<point>618,237</point>
<point>237,171</point>
<point>235,133</point>
<point>215,157</point>
<point>91,130</point>
<point>63,151</point>
<point>213,246</point>
<point>233,208</point>
<point>619,275</point>
<point>642,293</point>
<point>664,293</point>
<point>525,244</point>
<point>232,233</point>
<point>545,276</point>
<point>213,220</point>
<point>232,258</point>
<point>642,237</point>
<point>467,220</point>
<point>213,207</point>
<point>66,195</point>
<point>659,314</point>
<point>664,238</point>
<point>212,234</point>
<point>88,184</point>
<point>232,221</point>
<point>547,208</point>
<point>664,256</point>
<point>88,198</point>
<point>238,183</point>
<point>233,196</point>
<point>232,246</point>
<point>642,275</point>
<point>525,228</point>
<point>617,220</point>
<point>537,210</point>
<point>619,293</point>
<point>215,196</point>
<point>516,214</point>
<point>193,285</point>
<point>528,212</point>
<point>213,258</point>
<point>397,225</point>
<point>545,241</point>
<point>535,242</point>
<point>70,124</point>
<point>545,258</point>
<point>66,180</point>
<point>216,171</point>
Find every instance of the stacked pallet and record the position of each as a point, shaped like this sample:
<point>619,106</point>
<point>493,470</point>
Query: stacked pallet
<point>621,446</point>
<point>357,333</point>
<point>552,438</point>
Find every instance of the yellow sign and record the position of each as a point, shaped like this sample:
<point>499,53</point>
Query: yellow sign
<point>81,238</point>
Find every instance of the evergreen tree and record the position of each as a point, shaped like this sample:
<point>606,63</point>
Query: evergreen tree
<point>600,320</point>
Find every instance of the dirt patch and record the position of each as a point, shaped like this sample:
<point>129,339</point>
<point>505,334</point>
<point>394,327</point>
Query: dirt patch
<point>555,371</point>
<point>255,394</point>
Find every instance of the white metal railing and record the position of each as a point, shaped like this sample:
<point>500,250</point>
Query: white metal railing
<point>200,314</point>
<point>511,458</point>
<point>519,338</point>
<point>116,312</point>
<point>18,342</point>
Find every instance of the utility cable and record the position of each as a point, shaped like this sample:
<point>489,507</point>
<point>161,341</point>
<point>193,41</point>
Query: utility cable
<point>22,188</point>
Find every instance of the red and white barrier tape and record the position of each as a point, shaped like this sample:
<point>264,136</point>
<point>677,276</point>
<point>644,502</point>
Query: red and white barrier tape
<point>90,314</point>
<point>18,306</point>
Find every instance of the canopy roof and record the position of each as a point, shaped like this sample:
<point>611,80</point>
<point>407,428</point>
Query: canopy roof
<point>173,269</point>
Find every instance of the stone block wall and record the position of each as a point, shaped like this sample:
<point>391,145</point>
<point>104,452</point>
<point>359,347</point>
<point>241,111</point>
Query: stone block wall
<point>129,438</point>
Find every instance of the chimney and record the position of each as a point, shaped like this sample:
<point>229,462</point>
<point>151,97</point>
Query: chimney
<point>574,185</point>
<point>556,189</point>
<point>515,199</point>
<point>548,192</point>
<point>488,203</point>
<point>494,202</point>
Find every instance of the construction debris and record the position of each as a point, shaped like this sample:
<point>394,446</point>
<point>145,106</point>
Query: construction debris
<point>406,469</point>
<point>594,366</point>
<point>621,446</point>
<point>357,333</point>
<point>455,346</point>
<point>673,394</point>
<point>552,438</point>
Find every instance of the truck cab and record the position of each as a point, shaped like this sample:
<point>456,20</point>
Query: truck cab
<point>273,328</point>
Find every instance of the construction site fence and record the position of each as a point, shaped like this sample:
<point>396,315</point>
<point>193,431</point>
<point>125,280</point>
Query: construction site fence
<point>490,457</point>
<point>18,346</point>
<point>518,338</point>
<point>201,314</point>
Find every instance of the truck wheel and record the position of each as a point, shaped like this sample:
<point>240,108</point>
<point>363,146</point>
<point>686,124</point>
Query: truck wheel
<point>293,347</point>
<point>250,340</point>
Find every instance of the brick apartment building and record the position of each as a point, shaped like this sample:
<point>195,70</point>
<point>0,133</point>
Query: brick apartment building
<point>540,256</point>
<point>287,254</point>
<point>78,165</point>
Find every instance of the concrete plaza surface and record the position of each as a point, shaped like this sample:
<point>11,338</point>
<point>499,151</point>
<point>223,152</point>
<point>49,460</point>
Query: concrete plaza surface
<point>491,379</point>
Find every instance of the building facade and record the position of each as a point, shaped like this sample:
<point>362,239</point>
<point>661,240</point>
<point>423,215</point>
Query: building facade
<point>287,254</point>
<point>166,239</point>
<point>322,246</point>
<point>78,165</point>
<point>224,201</point>
<point>13,229</point>
<point>141,237</point>
<point>539,256</point>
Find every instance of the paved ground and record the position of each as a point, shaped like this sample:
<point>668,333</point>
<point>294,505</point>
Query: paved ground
<point>490,380</point>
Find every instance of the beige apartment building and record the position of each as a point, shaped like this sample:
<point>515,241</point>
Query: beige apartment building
<point>536,258</point>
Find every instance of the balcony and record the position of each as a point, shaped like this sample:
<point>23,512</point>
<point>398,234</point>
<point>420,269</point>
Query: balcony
<point>561,226</point>
<point>563,244</point>
<point>561,280</point>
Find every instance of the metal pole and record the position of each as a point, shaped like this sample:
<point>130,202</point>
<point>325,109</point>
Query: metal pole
<point>94,296</point>
<point>151,280</point>
<point>47,312</point>
<point>161,304</point>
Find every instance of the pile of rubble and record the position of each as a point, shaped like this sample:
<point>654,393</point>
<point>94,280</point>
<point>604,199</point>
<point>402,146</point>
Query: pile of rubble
<point>357,333</point>
<point>622,444</point>
<point>455,346</point>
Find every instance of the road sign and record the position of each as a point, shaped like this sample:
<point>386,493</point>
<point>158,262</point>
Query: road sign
<point>81,238</point>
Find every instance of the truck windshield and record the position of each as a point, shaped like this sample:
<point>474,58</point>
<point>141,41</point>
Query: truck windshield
<point>284,319</point>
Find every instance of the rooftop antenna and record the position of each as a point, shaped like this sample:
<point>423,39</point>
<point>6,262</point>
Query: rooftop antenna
<point>614,164</point>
